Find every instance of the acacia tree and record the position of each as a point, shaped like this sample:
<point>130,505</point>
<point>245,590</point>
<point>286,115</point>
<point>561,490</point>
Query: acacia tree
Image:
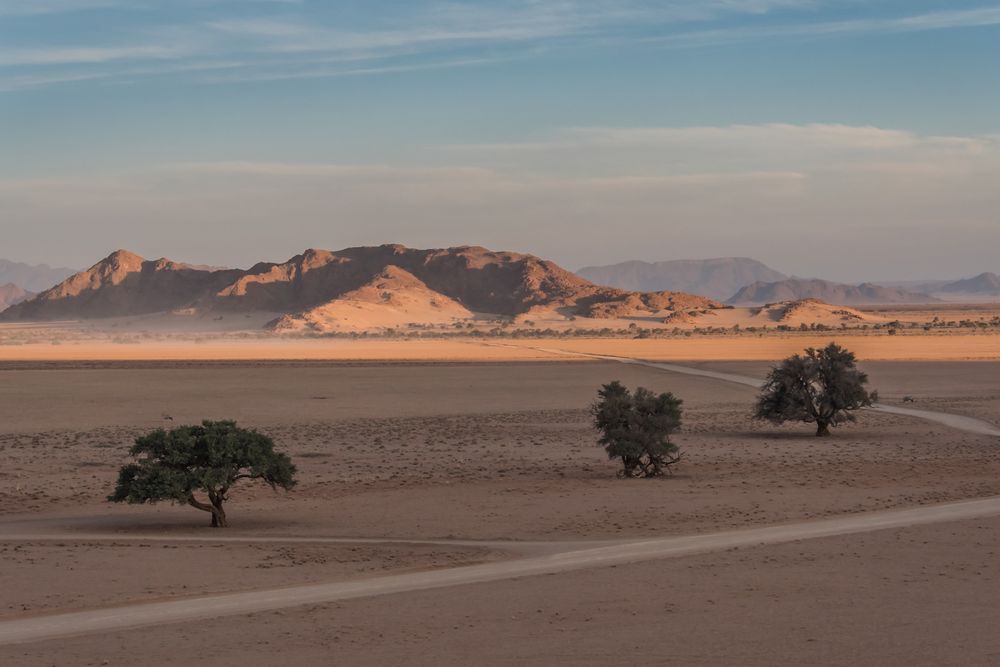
<point>636,428</point>
<point>210,458</point>
<point>821,386</point>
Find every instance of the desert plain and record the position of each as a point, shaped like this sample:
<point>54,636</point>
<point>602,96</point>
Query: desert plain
<point>425,457</point>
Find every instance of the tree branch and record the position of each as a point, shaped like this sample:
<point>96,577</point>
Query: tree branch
<point>198,505</point>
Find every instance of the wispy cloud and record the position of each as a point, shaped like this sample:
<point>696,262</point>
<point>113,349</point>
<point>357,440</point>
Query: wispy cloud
<point>35,7</point>
<point>681,156</point>
<point>509,21</point>
<point>86,55</point>
<point>308,71</point>
<point>312,169</point>
<point>233,71</point>
<point>671,152</point>
<point>968,18</point>
<point>942,20</point>
<point>40,7</point>
<point>288,37</point>
<point>281,39</point>
<point>288,33</point>
<point>14,82</point>
<point>813,135</point>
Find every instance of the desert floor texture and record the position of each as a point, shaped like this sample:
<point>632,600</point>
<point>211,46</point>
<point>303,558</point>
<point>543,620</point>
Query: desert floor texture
<point>431,461</point>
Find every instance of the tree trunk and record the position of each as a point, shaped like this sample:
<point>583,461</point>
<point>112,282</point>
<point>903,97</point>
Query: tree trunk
<point>822,429</point>
<point>204,508</point>
<point>656,463</point>
<point>628,466</point>
<point>219,518</point>
<point>218,513</point>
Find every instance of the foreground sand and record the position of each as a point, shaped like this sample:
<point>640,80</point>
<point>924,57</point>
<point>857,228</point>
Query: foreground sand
<point>507,449</point>
<point>917,596</point>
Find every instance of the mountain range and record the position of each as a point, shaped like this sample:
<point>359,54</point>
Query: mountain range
<point>792,289</point>
<point>34,278</point>
<point>741,280</point>
<point>718,278</point>
<point>391,286</point>
<point>11,294</point>
<point>363,287</point>
<point>986,284</point>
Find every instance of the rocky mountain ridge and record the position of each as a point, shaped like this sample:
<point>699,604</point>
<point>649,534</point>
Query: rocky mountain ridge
<point>318,289</point>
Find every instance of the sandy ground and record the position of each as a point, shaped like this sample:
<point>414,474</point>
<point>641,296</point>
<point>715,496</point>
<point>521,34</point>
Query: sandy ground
<point>873,347</point>
<point>957,346</point>
<point>102,573</point>
<point>494,443</point>
<point>917,596</point>
<point>507,449</point>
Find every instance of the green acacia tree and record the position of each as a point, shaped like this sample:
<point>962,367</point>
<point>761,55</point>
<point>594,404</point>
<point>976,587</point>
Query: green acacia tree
<point>636,428</point>
<point>210,458</point>
<point>823,387</point>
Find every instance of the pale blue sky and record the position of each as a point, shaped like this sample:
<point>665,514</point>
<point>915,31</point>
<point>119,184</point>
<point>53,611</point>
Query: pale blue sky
<point>588,131</point>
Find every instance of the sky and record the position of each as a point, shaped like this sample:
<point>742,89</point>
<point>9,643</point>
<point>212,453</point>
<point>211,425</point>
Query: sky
<point>845,139</point>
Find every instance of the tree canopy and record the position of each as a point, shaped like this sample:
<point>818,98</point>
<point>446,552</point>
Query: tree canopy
<point>821,386</point>
<point>636,428</point>
<point>173,465</point>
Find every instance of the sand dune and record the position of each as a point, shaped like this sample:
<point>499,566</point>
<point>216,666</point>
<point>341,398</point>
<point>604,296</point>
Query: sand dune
<point>808,312</point>
<point>394,298</point>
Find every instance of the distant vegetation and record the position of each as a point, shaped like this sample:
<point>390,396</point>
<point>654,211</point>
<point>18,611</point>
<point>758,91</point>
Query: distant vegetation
<point>210,458</point>
<point>507,329</point>
<point>636,428</point>
<point>821,387</point>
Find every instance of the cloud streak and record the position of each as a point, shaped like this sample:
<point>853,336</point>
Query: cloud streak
<point>86,55</point>
<point>13,8</point>
<point>36,7</point>
<point>980,17</point>
<point>774,148</point>
<point>273,37</point>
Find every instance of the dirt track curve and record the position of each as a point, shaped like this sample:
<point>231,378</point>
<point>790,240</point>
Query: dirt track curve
<point>155,613</point>
<point>957,422</point>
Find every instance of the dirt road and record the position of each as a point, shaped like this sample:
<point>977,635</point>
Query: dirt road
<point>958,422</point>
<point>137,615</point>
